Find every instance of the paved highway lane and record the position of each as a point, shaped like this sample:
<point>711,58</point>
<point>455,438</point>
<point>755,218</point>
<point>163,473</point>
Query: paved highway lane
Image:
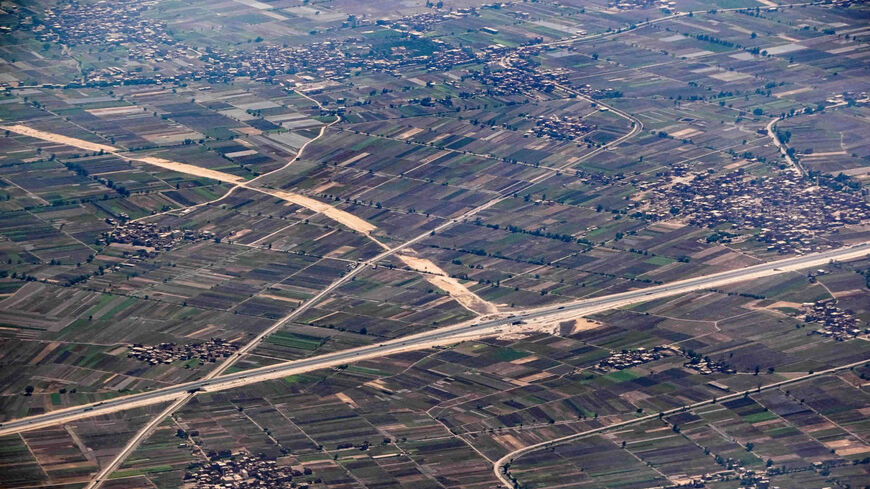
<point>492,325</point>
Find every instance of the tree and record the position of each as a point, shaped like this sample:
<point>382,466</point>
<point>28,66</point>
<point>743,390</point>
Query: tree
<point>28,390</point>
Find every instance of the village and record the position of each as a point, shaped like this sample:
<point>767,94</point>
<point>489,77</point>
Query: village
<point>165,353</point>
<point>146,41</point>
<point>244,472</point>
<point>792,214</point>
<point>632,358</point>
<point>148,234</point>
<point>835,323</point>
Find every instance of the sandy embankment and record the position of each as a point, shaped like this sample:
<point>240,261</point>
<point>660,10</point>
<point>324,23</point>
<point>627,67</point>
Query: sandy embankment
<point>338,215</point>
<point>189,169</point>
<point>437,277</point>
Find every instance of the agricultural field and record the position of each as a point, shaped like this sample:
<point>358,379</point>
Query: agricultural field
<point>456,244</point>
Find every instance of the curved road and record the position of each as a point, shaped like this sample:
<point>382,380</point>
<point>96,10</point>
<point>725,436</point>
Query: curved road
<point>503,474</point>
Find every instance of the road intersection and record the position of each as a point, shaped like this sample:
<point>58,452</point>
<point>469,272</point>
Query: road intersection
<point>529,319</point>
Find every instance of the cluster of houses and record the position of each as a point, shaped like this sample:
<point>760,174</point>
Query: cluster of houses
<point>561,127</point>
<point>735,471</point>
<point>632,358</point>
<point>707,366</point>
<point>835,322</point>
<point>326,60</point>
<point>115,22</point>
<point>749,479</point>
<point>336,60</point>
<point>245,472</point>
<point>518,79</point>
<point>637,4</point>
<point>792,214</point>
<point>107,22</point>
<point>445,59</point>
<point>111,23</point>
<point>425,22</point>
<point>208,351</point>
<point>150,235</point>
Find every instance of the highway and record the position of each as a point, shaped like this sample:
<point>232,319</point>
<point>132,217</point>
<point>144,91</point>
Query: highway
<point>492,325</point>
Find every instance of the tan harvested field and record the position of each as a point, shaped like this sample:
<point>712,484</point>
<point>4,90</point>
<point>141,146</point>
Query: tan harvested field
<point>44,353</point>
<point>822,155</point>
<point>58,138</point>
<point>346,399</point>
<point>792,92</point>
<point>437,277</point>
<point>409,133</point>
<point>110,111</point>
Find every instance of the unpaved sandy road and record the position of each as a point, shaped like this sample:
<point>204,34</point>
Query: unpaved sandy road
<point>58,138</point>
<point>338,215</point>
<point>188,169</point>
<point>439,278</point>
<point>333,213</point>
